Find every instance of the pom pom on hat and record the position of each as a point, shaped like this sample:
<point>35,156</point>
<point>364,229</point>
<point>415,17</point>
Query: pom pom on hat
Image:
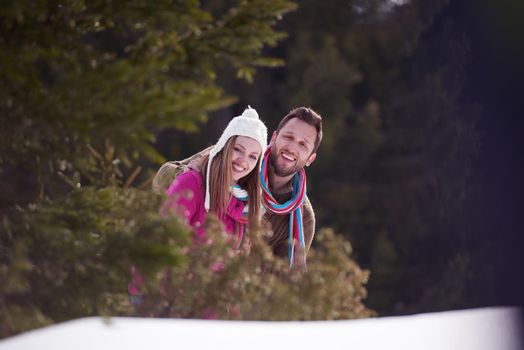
<point>248,124</point>
<point>250,113</point>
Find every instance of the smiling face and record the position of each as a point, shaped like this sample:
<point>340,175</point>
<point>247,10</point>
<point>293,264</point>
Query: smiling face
<point>244,156</point>
<point>292,147</point>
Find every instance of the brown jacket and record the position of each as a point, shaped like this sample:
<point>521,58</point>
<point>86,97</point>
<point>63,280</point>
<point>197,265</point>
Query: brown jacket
<point>279,224</point>
<point>278,241</point>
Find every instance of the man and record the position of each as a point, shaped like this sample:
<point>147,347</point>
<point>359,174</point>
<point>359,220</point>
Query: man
<point>293,146</point>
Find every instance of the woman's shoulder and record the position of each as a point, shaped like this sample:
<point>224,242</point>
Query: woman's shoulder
<point>191,175</point>
<point>189,179</point>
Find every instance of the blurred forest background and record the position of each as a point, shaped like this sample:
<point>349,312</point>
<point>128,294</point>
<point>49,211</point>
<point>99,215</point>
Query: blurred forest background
<point>420,167</point>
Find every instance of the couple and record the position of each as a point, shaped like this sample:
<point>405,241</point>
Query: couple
<point>240,175</point>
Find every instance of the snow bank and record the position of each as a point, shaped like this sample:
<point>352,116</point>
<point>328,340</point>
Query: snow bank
<point>477,329</point>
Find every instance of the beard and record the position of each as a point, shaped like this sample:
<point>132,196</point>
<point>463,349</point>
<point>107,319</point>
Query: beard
<point>280,170</point>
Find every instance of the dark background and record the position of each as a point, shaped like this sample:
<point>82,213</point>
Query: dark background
<point>496,82</point>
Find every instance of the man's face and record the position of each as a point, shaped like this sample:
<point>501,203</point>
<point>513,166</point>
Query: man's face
<point>292,147</point>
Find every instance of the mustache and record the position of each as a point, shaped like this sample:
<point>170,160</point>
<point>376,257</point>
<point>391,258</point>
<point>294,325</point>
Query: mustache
<point>289,152</point>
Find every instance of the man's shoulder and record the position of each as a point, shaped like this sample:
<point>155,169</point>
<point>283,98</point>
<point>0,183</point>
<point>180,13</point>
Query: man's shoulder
<point>307,205</point>
<point>170,170</point>
<point>166,174</point>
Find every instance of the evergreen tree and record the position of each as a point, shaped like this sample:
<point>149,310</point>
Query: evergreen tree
<point>110,75</point>
<point>86,86</point>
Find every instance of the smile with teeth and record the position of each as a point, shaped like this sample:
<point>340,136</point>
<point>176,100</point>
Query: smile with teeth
<point>288,156</point>
<point>238,168</point>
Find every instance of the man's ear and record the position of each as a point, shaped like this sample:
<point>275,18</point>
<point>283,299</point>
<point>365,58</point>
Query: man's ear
<point>274,136</point>
<point>311,159</point>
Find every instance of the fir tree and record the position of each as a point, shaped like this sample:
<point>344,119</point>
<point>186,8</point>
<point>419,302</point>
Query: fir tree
<point>86,86</point>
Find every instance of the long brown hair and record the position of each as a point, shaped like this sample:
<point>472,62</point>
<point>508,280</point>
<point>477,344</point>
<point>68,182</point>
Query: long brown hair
<point>220,184</point>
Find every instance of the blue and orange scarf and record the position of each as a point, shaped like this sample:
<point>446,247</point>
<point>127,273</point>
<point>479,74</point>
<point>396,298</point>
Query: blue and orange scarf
<point>293,207</point>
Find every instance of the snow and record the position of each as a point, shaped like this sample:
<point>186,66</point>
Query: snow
<point>476,329</point>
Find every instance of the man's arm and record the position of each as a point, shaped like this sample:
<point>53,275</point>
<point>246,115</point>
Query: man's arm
<point>168,171</point>
<point>308,222</point>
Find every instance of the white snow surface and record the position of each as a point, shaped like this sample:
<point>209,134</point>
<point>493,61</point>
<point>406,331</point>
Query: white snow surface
<point>497,328</point>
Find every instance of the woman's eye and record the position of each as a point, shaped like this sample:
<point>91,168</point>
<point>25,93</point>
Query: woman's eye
<point>254,158</point>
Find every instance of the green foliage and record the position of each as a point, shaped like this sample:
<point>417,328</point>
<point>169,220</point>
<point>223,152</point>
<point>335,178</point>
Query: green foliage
<point>85,88</point>
<point>252,284</point>
<point>75,73</point>
<point>72,258</point>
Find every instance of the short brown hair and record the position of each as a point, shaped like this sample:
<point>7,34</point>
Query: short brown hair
<point>306,115</point>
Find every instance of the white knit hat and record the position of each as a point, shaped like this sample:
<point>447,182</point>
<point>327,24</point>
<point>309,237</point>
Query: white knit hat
<point>248,124</point>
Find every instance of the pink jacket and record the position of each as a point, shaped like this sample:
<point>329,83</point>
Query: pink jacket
<point>187,192</point>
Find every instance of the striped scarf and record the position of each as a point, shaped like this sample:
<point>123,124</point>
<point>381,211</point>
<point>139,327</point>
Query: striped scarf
<point>241,223</point>
<point>293,207</point>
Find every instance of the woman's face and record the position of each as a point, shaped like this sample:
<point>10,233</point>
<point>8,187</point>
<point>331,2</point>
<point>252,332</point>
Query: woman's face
<point>244,157</point>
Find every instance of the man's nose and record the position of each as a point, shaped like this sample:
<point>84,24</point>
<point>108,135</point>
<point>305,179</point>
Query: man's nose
<point>293,147</point>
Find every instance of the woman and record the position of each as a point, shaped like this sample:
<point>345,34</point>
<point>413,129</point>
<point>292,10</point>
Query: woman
<point>226,184</point>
